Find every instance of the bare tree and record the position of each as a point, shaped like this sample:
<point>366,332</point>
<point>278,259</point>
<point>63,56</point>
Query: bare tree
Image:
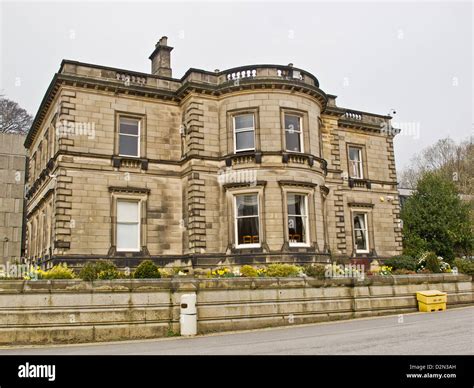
<point>13,118</point>
<point>454,161</point>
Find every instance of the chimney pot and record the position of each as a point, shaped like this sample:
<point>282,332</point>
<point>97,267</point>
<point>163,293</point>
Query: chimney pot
<point>163,41</point>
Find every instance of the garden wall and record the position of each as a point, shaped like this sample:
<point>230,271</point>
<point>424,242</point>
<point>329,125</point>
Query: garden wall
<point>72,311</point>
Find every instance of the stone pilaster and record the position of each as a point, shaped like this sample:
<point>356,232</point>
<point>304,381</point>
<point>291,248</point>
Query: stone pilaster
<point>63,223</point>
<point>396,201</point>
<point>196,213</point>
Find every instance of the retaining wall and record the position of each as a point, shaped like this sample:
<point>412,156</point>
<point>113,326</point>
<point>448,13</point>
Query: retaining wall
<point>72,311</point>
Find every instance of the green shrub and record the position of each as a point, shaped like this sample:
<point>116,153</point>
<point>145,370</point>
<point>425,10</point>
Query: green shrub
<point>282,270</point>
<point>315,270</point>
<point>147,270</point>
<point>403,271</point>
<point>464,266</point>
<point>432,262</point>
<point>92,270</point>
<point>402,262</point>
<point>59,271</point>
<point>248,271</point>
<point>109,274</point>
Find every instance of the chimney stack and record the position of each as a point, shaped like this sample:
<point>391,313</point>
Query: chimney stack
<point>161,58</point>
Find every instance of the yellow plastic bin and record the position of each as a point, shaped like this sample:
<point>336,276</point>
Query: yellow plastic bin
<point>431,300</point>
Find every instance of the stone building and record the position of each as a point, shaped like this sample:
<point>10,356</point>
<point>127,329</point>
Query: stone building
<point>12,180</point>
<point>251,164</point>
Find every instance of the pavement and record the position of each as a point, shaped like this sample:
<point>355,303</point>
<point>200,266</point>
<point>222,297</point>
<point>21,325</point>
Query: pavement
<point>438,333</point>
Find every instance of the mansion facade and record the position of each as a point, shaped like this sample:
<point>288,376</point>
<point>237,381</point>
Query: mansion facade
<point>254,164</point>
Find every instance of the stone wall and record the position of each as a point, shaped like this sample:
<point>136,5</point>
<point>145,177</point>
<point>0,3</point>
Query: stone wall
<point>70,311</point>
<point>12,179</point>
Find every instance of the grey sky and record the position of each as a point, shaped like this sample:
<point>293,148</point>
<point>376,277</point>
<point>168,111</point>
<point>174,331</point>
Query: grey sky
<point>414,57</point>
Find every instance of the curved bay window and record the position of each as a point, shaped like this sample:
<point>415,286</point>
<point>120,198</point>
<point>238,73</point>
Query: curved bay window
<point>244,132</point>
<point>297,219</point>
<point>247,228</point>
<point>293,133</point>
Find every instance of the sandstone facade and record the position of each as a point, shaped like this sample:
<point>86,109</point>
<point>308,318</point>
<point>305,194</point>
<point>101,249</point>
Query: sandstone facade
<point>206,170</point>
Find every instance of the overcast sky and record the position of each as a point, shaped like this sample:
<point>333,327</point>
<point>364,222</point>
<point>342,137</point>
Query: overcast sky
<point>414,57</point>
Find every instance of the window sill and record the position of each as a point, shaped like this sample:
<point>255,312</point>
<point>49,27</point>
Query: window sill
<point>240,157</point>
<point>245,249</point>
<point>297,157</point>
<point>361,183</point>
<point>129,162</point>
<point>299,245</point>
<point>248,246</point>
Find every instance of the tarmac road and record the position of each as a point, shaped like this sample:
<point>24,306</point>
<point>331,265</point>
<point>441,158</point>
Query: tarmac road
<point>448,332</point>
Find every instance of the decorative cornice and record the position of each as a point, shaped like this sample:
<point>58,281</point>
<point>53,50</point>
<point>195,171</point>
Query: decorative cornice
<point>128,189</point>
<point>297,183</point>
<point>244,184</point>
<point>360,204</point>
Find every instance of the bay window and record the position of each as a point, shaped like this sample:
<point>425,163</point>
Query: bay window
<point>244,132</point>
<point>297,205</point>
<point>247,229</point>
<point>293,133</point>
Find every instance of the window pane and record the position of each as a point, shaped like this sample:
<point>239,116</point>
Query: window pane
<point>247,205</point>
<point>244,140</point>
<point>354,154</point>
<point>127,211</point>
<point>292,122</point>
<point>296,204</point>
<point>355,171</point>
<point>243,121</point>
<point>247,230</point>
<point>360,232</point>
<point>127,237</point>
<point>355,162</point>
<point>297,229</point>
<point>293,141</point>
<point>129,126</point>
<point>128,145</point>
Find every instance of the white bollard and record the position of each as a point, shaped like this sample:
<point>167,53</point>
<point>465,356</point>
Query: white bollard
<point>188,316</point>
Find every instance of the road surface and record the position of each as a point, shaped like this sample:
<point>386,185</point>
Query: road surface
<point>448,332</point>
